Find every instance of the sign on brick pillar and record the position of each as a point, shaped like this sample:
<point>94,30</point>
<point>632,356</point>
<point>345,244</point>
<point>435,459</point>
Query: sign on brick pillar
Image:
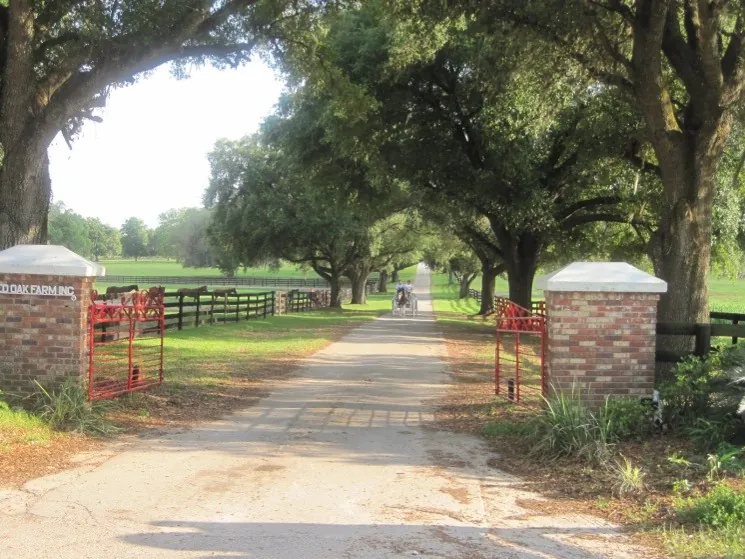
<point>602,318</point>
<point>44,296</point>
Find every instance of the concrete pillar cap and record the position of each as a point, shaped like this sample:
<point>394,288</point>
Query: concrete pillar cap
<point>47,260</point>
<point>601,277</point>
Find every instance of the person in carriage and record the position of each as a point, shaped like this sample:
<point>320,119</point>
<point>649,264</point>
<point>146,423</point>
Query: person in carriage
<point>402,297</point>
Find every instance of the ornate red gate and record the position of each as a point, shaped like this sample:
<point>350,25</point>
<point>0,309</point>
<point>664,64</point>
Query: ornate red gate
<point>520,355</point>
<point>125,343</point>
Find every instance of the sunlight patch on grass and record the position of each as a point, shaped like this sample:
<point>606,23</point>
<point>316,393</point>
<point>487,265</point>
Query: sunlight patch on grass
<point>21,427</point>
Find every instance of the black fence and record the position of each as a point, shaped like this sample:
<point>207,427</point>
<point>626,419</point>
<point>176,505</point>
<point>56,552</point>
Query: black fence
<point>536,307</point>
<point>186,310</point>
<point>724,325</point>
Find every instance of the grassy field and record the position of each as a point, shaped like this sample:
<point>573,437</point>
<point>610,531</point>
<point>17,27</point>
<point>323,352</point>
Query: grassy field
<point>724,294</point>
<point>145,267</point>
<point>209,372</point>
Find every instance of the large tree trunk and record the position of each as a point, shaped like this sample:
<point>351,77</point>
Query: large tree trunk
<point>335,285</point>
<point>25,187</point>
<point>688,144</point>
<point>681,247</point>
<point>521,254</point>
<point>25,191</point>
<point>450,277</point>
<point>383,281</point>
<point>358,275</point>
<point>394,276</point>
<point>465,285</point>
<point>489,274</point>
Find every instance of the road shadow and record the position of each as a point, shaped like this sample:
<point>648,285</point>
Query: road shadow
<point>268,540</point>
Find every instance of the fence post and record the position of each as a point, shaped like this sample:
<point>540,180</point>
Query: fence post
<point>273,302</point>
<point>237,307</point>
<point>248,307</point>
<point>265,298</point>
<point>199,301</point>
<point>703,339</point>
<point>181,311</point>
<point>735,322</point>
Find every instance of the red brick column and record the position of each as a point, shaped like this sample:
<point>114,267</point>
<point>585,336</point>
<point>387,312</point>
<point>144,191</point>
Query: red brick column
<point>602,342</point>
<point>43,336</point>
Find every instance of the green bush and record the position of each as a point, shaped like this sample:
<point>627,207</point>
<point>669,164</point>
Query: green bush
<point>628,478</point>
<point>567,427</point>
<point>705,398</point>
<point>625,418</point>
<point>722,507</point>
<point>68,409</point>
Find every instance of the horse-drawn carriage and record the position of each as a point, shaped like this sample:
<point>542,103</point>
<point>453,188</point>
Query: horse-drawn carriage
<point>404,302</point>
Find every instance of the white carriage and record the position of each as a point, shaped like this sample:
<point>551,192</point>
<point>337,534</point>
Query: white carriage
<point>410,307</point>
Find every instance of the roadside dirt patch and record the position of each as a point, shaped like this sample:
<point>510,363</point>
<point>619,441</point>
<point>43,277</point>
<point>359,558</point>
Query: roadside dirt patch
<point>22,462</point>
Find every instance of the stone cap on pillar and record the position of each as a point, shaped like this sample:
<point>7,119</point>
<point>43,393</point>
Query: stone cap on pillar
<point>602,277</point>
<point>47,260</point>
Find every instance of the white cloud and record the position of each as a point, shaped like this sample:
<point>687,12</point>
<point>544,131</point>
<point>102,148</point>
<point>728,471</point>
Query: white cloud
<point>149,153</point>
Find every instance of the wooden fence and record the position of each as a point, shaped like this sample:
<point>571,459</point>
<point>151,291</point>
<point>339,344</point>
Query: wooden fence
<point>536,307</point>
<point>198,308</point>
<point>723,325</point>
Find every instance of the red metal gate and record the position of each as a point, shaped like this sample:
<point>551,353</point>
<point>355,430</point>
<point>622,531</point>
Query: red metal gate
<point>520,355</point>
<point>125,339</point>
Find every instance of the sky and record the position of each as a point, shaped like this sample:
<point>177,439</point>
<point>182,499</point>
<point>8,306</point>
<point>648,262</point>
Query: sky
<point>150,152</point>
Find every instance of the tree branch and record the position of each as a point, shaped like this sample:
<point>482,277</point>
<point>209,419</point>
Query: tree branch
<point>589,203</point>
<point>576,220</point>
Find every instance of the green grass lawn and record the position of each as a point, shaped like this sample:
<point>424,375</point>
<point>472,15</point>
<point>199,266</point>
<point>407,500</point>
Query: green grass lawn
<point>144,267</point>
<point>724,294</point>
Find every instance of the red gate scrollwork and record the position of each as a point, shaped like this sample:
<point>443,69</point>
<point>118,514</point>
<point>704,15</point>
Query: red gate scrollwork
<point>520,354</point>
<point>125,340</point>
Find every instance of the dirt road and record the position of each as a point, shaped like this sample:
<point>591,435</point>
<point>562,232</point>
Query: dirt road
<point>341,461</point>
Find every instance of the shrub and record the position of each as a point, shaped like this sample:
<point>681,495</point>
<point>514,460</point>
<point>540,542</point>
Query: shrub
<point>567,427</point>
<point>722,507</point>
<point>629,478</point>
<point>625,418</point>
<point>705,398</point>
<point>68,409</point>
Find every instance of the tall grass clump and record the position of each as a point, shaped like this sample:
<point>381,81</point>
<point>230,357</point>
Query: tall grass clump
<point>68,409</point>
<point>568,427</point>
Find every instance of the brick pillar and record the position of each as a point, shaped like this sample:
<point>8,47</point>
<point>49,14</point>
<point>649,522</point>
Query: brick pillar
<point>601,329</point>
<point>43,317</point>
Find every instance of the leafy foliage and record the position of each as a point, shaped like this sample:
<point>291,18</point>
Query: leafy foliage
<point>135,238</point>
<point>723,507</point>
<point>69,229</point>
<point>706,397</point>
<point>68,409</point>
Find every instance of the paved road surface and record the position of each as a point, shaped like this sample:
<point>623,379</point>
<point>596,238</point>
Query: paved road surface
<point>341,462</point>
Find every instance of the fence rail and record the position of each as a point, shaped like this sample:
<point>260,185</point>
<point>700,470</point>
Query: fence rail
<point>198,309</point>
<point>243,281</point>
<point>727,325</point>
<point>536,307</point>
